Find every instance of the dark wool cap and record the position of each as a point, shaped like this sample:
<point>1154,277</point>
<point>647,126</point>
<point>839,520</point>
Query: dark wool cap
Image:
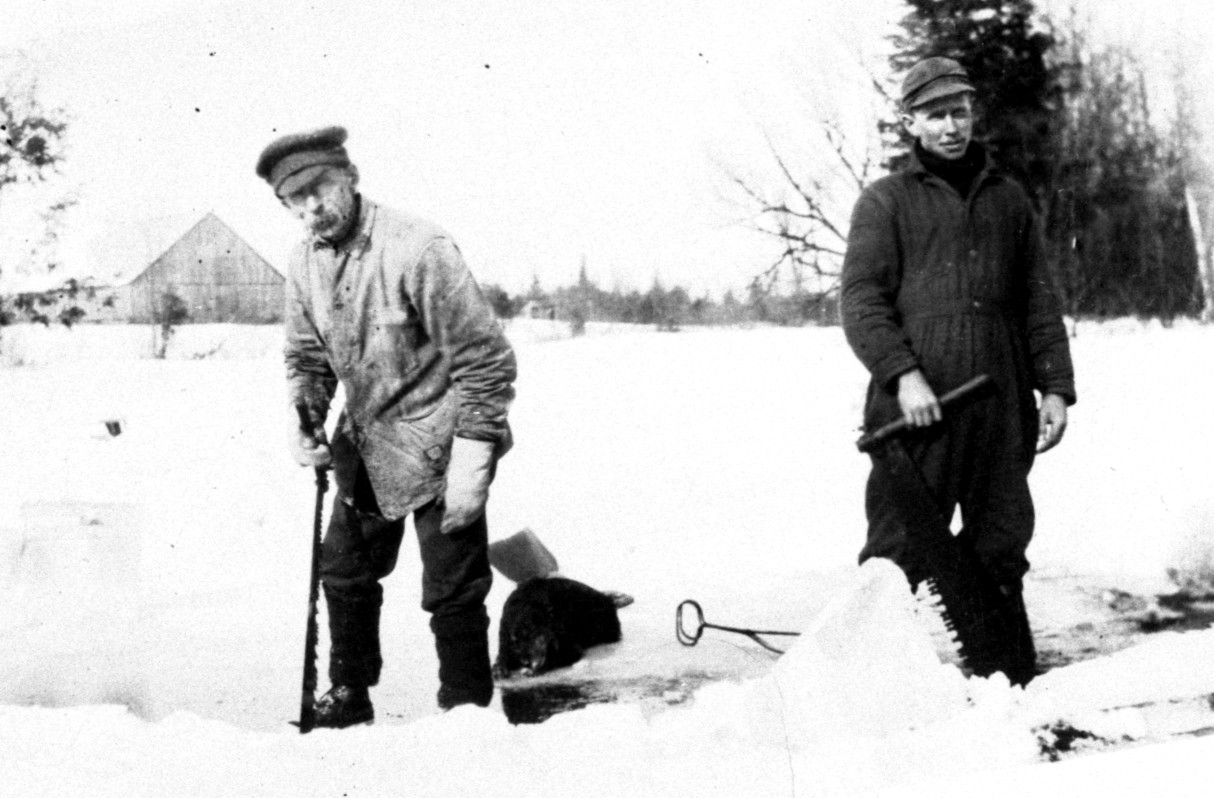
<point>933,78</point>
<point>287,163</point>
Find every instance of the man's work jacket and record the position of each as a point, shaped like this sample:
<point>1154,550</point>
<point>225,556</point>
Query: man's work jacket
<point>394,314</point>
<point>956,286</point>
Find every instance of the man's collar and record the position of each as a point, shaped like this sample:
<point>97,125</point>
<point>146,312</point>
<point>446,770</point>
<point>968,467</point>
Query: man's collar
<point>359,233</point>
<point>975,150</point>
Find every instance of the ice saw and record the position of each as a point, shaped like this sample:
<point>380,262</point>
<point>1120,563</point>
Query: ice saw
<point>989,628</point>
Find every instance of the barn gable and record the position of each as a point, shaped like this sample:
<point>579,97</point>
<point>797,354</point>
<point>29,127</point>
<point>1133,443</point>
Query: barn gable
<point>210,273</point>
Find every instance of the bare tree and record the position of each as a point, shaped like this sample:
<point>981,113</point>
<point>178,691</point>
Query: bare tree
<point>806,211</point>
<point>819,146</point>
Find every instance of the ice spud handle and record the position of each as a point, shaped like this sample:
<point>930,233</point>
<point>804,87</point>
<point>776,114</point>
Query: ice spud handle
<point>307,713</point>
<point>978,387</point>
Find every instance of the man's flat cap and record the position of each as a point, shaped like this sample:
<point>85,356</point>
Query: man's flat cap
<point>287,163</point>
<point>933,78</point>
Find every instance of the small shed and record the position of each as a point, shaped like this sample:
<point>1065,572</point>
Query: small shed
<point>538,309</point>
<point>211,274</point>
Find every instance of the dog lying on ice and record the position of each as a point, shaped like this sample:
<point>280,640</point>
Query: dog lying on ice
<point>549,622</point>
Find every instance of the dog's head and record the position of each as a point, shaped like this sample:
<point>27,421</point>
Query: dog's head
<point>535,651</point>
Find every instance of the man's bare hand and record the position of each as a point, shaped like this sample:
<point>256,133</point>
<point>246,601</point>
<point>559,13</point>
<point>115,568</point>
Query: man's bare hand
<point>1051,422</point>
<point>308,449</point>
<point>918,401</point>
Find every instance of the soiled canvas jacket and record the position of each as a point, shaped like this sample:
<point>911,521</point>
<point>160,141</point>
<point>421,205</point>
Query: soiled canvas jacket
<point>957,286</point>
<point>394,314</point>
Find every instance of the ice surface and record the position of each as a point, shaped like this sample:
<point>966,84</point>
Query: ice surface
<point>715,465</point>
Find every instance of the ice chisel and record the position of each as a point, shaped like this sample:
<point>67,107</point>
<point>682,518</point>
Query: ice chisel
<point>988,629</point>
<point>307,715</point>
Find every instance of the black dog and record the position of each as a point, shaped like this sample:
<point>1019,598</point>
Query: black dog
<point>549,622</point>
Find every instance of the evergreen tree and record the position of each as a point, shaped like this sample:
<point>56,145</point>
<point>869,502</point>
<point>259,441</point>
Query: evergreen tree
<point>585,300</point>
<point>1119,236</point>
<point>1017,97</point>
<point>32,139</point>
<point>31,135</point>
<point>536,292</point>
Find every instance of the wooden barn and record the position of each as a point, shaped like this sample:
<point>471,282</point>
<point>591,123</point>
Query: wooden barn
<point>209,274</point>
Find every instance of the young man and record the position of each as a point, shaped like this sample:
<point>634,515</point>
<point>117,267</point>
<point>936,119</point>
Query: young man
<point>945,279</point>
<point>384,302</point>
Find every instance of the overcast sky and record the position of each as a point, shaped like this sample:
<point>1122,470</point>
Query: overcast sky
<point>538,133</point>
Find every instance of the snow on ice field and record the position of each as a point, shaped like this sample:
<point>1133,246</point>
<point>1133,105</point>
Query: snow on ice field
<point>154,583</point>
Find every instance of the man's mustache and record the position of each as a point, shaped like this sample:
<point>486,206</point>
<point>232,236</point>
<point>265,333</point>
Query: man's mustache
<point>324,220</point>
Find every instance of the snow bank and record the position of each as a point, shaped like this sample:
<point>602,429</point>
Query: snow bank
<point>732,740</point>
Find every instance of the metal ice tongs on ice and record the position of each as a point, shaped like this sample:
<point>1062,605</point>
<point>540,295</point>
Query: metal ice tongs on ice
<point>689,609</point>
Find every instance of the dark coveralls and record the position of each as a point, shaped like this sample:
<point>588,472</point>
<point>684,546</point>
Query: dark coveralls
<point>393,313</point>
<point>956,286</point>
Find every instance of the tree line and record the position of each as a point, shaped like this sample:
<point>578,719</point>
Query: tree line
<point>668,309</point>
<point>1127,198</point>
<point>1114,184</point>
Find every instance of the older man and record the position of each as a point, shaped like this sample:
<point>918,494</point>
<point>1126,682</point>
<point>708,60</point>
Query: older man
<point>383,302</point>
<point>945,279</point>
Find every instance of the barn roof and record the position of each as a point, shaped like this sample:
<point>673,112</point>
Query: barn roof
<point>124,251</point>
<point>114,251</point>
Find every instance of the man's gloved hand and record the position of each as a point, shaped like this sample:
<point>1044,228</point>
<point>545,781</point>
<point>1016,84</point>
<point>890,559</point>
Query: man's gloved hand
<point>308,448</point>
<point>468,476</point>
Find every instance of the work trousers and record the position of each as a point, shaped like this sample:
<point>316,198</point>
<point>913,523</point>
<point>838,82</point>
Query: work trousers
<point>976,459</point>
<point>360,548</point>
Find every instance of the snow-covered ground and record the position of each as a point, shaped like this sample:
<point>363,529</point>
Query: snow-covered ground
<point>154,583</point>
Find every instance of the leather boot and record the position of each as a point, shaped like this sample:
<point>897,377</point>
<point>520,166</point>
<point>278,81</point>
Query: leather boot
<point>464,671</point>
<point>1022,661</point>
<point>344,705</point>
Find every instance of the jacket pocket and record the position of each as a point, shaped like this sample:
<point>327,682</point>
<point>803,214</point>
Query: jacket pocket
<point>396,336</point>
<point>426,439</point>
